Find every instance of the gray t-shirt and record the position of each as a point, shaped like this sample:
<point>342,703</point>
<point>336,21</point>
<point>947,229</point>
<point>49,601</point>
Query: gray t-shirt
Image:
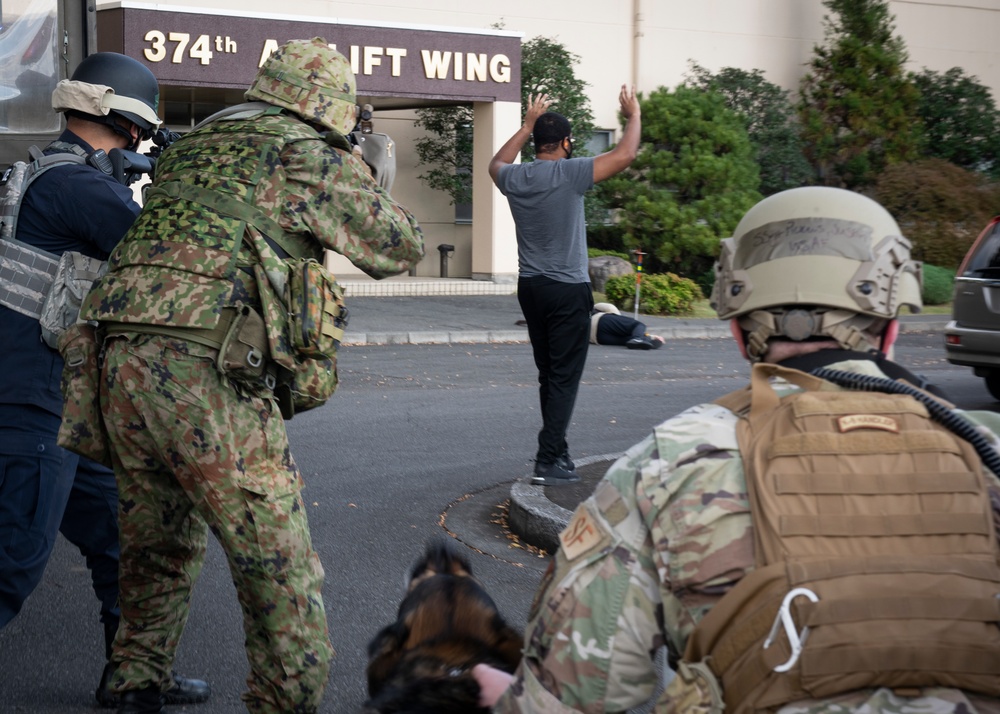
<point>546,200</point>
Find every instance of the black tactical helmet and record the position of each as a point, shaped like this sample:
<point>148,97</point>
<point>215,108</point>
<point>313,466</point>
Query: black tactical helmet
<point>133,91</point>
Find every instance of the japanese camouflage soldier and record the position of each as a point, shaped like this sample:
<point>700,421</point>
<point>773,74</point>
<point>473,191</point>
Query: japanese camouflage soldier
<point>813,543</point>
<point>201,361</point>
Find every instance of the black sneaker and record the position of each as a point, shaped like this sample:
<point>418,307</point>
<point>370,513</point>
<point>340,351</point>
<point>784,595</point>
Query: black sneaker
<point>639,343</point>
<point>566,462</point>
<point>553,475</point>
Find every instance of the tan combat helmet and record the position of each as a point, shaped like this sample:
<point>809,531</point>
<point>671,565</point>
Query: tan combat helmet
<point>815,262</point>
<point>107,85</point>
<point>312,80</point>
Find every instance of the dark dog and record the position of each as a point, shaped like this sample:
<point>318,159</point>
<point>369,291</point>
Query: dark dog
<point>447,623</point>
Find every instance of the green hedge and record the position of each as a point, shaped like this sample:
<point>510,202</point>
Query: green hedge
<point>597,252</point>
<point>659,293</point>
<point>939,284</point>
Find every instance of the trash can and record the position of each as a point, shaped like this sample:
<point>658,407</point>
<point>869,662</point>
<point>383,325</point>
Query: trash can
<point>445,250</point>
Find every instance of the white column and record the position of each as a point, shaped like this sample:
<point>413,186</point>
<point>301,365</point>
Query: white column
<point>494,246</point>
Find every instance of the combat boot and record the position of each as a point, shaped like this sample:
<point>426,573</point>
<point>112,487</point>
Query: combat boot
<point>141,701</point>
<point>182,690</point>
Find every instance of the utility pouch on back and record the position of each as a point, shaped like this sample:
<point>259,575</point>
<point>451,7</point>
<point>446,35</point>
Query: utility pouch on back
<point>61,308</point>
<point>316,308</point>
<point>243,354</point>
<point>82,429</point>
<point>314,381</point>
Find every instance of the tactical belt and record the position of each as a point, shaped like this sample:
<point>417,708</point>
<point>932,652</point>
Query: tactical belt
<point>26,274</point>
<point>251,353</point>
<point>212,338</point>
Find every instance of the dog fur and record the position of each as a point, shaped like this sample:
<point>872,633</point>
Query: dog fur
<point>446,624</point>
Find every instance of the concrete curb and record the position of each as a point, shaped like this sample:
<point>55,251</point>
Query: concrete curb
<point>534,518</point>
<point>436,337</point>
<point>681,331</point>
<point>538,521</point>
<point>924,325</point>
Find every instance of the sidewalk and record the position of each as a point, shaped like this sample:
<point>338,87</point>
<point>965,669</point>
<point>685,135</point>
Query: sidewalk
<point>477,317</point>
<point>469,311</point>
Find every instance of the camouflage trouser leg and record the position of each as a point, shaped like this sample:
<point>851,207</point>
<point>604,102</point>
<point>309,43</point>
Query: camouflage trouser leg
<point>189,449</point>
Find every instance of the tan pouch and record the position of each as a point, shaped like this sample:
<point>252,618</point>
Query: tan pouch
<point>82,429</point>
<point>243,354</point>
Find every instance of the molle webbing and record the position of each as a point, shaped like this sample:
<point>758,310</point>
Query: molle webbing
<point>884,516</point>
<point>27,272</point>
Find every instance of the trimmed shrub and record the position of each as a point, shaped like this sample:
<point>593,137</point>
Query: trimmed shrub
<point>939,284</point>
<point>659,294</point>
<point>598,252</point>
<point>940,207</point>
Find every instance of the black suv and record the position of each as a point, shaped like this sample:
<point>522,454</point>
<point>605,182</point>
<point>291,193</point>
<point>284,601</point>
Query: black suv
<point>972,337</point>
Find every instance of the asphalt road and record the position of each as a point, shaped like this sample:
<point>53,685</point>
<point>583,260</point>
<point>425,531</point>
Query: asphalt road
<point>419,440</point>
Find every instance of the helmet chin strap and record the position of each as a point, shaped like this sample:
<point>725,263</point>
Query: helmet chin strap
<point>111,122</point>
<point>849,329</point>
<point>133,141</point>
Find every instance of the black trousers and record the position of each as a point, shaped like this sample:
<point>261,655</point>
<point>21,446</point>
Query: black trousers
<point>618,329</point>
<point>558,319</point>
<point>44,490</point>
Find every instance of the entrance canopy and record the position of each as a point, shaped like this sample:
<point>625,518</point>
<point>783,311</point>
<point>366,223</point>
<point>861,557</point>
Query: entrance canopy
<point>397,67</point>
<point>205,60</point>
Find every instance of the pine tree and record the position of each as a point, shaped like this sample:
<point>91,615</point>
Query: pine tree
<point>770,121</point>
<point>692,181</point>
<point>858,109</point>
<point>960,120</point>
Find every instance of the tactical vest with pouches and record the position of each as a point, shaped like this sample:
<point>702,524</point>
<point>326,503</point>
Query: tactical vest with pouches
<point>873,526</point>
<point>224,249</point>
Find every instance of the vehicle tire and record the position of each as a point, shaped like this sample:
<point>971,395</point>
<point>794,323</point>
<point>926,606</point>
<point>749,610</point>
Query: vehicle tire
<point>993,384</point>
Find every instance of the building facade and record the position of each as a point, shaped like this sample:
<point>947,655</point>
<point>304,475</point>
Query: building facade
<point>409,54</point>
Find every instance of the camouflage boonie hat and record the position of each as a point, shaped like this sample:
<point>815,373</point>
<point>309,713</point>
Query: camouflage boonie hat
<point>311,79</point>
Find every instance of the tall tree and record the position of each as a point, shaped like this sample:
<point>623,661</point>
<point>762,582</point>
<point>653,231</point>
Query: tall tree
<point>547,66</point>
<point>446,149</point>
<point>960,120</point>
<point>857,107</point>
<point>770,122</point>
<point>692,181</point>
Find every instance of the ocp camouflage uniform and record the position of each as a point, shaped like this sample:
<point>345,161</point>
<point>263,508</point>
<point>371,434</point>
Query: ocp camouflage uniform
<point>193,449</point>
<point>665,535</point>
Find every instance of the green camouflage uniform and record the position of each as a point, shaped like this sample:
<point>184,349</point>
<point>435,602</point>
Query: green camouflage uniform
<point>669,533</point>
<point>191,448</point>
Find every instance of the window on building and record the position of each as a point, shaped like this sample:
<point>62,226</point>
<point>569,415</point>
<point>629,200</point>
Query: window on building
<point>184,108</point>
<point>463,138</point>
<point>600,141</point>
<point>29,66</point>
<point>463,210</point>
